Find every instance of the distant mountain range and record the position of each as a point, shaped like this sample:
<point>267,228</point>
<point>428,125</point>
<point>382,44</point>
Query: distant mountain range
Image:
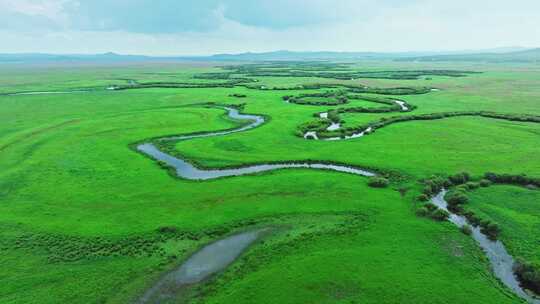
<point>531,55</point>
<point>289,55</point>
<point>511,54</point>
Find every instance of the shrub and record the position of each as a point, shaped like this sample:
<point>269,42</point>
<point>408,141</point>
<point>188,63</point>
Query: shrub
<point>423,198</point>
<point>439,215</point>
<point>428,191</point>
<point>167,229</point>
<point>461,188</point>
<point>529,275</point>
<point>466,229</point>
<point>455,198</point>
<point>430,210</point>
<point>458,209</point>
<point>460,178</point>
<point>162,164</point>
<point>485,183</point>
<point>490,229</point>
<point>473,218</point>
<point>491,176</point>
<point>472,185</point>
<point>422,211</point>
<point>333,116</point>
<point>434,184</point>
<point>522,180</point>
<point>431,207</point>
<point>237,95</point>
<point>378,182</point>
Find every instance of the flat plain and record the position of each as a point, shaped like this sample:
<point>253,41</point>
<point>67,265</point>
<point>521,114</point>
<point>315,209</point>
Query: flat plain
<point>85,218</point>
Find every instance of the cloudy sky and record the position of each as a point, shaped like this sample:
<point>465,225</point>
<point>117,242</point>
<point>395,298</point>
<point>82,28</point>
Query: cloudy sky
<point>200,27</point>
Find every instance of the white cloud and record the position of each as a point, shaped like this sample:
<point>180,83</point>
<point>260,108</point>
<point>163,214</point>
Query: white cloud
<point>53,9</point>
<point>346,26</point>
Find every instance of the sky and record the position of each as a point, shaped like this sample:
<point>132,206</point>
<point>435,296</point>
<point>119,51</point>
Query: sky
<point>204,27</point>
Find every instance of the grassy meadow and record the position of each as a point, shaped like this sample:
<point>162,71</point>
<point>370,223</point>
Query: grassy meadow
<point>86,219</point>
<point>516,209</point>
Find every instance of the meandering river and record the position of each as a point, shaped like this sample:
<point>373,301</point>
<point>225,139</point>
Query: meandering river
<point>218,255</point>
<point>187,170</point>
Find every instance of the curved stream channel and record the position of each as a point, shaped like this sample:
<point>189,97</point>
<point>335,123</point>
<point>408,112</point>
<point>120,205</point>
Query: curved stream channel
<point>334,126</point>
<point>189,171</point>
<point>501,261</point>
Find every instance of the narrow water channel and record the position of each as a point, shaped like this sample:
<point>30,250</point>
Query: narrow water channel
<point>334,126</point>
<point>187,170</point>
<point>47,92</point>
<point>501,261</point>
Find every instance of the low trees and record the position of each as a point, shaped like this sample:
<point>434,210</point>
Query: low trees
<point>490,229</point>
<point>378,182</point>
<point>466,229</point>
<point>431,211</point>
<point>528,274</point>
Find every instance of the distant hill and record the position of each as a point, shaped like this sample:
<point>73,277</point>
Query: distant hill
<point>492,55</point>
<point>266,56</point>
<point>290,55</point>
<point>531,55</point>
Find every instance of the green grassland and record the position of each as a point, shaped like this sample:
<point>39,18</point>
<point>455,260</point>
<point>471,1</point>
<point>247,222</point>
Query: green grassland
<point>516,210</point>
<point>82,214</point>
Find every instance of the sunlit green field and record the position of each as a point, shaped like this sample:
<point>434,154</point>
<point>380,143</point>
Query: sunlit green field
<point>81,211</point>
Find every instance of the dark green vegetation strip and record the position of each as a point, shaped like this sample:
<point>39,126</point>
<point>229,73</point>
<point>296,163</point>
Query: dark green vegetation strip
<point>334,71</point>
<point>320,125</point>
<point>244,75</point>
<point>332,98</point>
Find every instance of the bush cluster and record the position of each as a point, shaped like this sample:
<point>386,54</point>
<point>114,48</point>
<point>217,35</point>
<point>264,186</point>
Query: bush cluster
<point>332,98</point>
<point>456,198</point>
<point>522,179</point>
<point>392,91</point>
<point>466,229</point>
<point>237,95</point>
<point>490,229</point>
<point>212,76</point>
<point>434,185</point>
<point>334,71</point>
<point>459,178</point>
<point>431,211</point>
<point>529,275</point>
<point>378,182</point>
<point>333,116</point>
<point>318,126</point>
